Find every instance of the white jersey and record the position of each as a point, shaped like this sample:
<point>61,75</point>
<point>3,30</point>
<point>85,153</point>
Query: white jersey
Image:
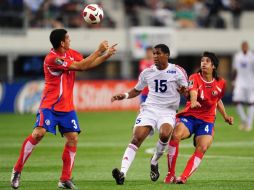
<point>163,85</point>
<point>244,66</point>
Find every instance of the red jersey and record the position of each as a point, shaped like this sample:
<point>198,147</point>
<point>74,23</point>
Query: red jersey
<point>143,64</point>
<point>209,93</point>
<point>59,81</point>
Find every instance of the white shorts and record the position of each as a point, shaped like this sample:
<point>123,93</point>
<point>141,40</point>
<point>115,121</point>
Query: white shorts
<point>243,94</point>
<point>150,116</point>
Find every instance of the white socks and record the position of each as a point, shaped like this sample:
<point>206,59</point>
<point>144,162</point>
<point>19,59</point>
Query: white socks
<point>160,147</point>
<point>241,113</point>
<point>128,157</point>
<point>250,114</point>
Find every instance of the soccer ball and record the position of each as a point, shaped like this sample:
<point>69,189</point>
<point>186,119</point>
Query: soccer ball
<point>93,14</point>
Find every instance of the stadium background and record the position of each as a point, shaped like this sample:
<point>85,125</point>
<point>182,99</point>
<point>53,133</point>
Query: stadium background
<point>188,26</point>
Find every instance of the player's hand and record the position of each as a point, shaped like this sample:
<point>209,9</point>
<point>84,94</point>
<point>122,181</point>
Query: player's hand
<point>229,120</point>
<point>118,97</point>
<point>195,104</point>
<point>111,50</point>
<point>103,46</point>
<point>182,90</point>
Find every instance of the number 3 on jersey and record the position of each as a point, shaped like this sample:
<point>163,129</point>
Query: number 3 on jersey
<point>160,85</point>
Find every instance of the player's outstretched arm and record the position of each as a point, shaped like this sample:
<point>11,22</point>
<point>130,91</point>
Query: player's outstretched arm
<point>111,51</point>
<point>87,62</point>
<point>222,110</point>
<point>131,94</point>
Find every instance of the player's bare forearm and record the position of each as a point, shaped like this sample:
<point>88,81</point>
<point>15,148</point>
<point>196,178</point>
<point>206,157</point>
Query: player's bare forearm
<point>88,61</point>
<point>111,51</point>
<point>131,94</point>
<point>222,110</point>
<point>193,99</point>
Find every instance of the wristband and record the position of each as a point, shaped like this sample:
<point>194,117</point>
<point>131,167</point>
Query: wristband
<point>126,95</point>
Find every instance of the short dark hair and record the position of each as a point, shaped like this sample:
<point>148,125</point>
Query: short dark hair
<point>164,48</point>
<point>213,58</point>
<point>56,36</point>
<point>215,62</point>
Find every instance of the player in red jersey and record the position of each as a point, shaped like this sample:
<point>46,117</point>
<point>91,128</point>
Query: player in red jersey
<point>205,92</point>
<point>56,106</point>
<point>143,64</point>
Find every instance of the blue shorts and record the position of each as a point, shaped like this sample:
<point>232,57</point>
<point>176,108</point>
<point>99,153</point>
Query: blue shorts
<point>49,119</point>
<point>197,126</point>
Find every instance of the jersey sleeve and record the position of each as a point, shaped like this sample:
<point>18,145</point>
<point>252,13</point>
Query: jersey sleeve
<point>77,56</point>
<point>223,88</point>
<point>192,84</point>
<point>58,63</point>
<point>182,79</point>
<point>142,83</point>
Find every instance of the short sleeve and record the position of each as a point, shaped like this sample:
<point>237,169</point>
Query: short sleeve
<point>76,55</point>
<point>182,77</point>
<point>192,84</point>
<point>58,63</point>
<point>142,83</point>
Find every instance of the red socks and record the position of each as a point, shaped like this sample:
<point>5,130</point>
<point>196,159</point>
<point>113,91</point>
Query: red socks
<point>68,162</point>
<point>192,164</point>
<point>25,152</point>
<point>172,156</point>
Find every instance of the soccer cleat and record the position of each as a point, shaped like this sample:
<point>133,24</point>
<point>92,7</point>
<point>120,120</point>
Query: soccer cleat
<point>181,180</point>
<point>119,176</point>
<point>66,185</point>
<point>170,179</point>
<point>242,126</point>
<point>154,173</point>
<point>15,179</point>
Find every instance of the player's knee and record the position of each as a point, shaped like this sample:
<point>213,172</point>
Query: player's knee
<point>165,133</point>
<point>37,135</point>
<point>164,136</point>
<point>73,139</point>
<point>202,148</point>
<point>176,136</point>
<point>136,141</point>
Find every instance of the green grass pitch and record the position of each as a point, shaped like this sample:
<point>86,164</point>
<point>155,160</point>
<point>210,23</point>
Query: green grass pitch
<point>228,164</point>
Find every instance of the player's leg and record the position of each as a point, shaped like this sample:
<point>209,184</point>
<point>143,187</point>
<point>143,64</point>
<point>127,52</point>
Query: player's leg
<point>183,130</point>
<point>202,144</point>
<point>239,97</point>
<point>69,128</point>
<point>165,131</point>
<point>250,116</point>
<point>165,126</point>
<point>243,117</point>
<point>26,150</point>
<point>204,137</point>
<point>250,109</point>
<point>68,158</point>
<point>139,135</point>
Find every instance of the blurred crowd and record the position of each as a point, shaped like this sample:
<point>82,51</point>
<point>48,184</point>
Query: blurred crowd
<point>171,13</point>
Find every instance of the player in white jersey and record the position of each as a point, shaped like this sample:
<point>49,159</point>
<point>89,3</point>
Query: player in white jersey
<point>243,93</point>
<point>165,82</point>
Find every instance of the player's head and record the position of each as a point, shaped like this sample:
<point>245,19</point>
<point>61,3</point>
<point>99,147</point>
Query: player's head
<point>59,38</point>
<point>213,58</point>
<point>209,63</point>
<point>161,55</point>
<point>245,47</point>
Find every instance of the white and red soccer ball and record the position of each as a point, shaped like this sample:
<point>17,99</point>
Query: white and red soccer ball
<point>93,14</point>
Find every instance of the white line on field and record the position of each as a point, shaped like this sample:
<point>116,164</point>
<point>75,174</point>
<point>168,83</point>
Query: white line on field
<point>151,151</point>
<point>228,144</point>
